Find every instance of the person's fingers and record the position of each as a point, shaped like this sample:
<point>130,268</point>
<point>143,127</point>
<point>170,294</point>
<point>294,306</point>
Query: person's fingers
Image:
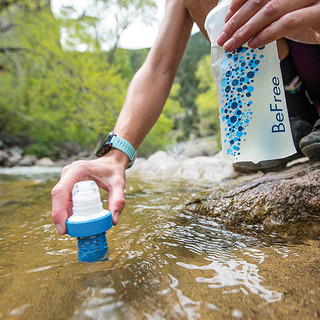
<point>108,175</point>
<point>69,209</point>
<point>61,193</point>
<point>270,13</point>
<point>296,26</point>
<point>234,6</point>
<point>240,13</point>
<point>117,200</point>
<point>64,171</point>
<point>60,204</point>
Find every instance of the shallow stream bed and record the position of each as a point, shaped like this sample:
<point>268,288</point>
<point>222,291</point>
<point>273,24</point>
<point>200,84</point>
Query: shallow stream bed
<point>163,263</point>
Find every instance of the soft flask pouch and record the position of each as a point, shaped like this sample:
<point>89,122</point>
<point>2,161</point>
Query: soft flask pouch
<point>253,113</point>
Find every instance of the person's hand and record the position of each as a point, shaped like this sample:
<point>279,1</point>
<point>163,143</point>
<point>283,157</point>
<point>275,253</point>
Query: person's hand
<point>260,22</point>
<point>109,174</point>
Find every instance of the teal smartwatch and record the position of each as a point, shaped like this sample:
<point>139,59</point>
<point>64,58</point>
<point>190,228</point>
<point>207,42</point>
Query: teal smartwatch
<point>113,141</point>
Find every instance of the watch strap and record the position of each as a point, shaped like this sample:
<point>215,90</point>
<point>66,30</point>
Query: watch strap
<point>124,146</point>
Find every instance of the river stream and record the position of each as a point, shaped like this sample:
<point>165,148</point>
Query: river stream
<point>163,262</point>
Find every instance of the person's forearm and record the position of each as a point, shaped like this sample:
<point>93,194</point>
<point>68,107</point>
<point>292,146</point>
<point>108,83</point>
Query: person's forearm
<point>145,100</point>
<point>144,103</point>
<point>151,85</point>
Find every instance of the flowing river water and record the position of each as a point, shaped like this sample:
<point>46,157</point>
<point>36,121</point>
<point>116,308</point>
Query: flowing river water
<point>163,263</point>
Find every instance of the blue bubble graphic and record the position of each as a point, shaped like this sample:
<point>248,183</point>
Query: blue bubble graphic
<point>224,63</point>
<point>234,105</point>
<point>239,71</point>
<point>233,119</point>
<point>224,82</point>
<point>234,82</point>
<point>250,89</point>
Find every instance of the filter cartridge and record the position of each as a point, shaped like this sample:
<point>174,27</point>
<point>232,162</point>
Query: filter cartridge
<point>89,221</point>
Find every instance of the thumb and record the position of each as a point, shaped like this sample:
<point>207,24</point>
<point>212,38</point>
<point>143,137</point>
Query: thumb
<point>60,206</point>
<point>116,200</point>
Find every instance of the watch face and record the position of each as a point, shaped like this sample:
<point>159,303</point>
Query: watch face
<point>105,146</point>
<point>103,150</point>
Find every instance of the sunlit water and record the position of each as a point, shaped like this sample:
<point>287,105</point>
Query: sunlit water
<point>163,263</point>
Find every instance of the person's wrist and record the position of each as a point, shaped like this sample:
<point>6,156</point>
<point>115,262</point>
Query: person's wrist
<point>116,142</point>
<point>117,156</point>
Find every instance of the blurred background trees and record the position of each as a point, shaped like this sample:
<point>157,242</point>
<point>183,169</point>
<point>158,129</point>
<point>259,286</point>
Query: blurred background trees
<point>59,83</point>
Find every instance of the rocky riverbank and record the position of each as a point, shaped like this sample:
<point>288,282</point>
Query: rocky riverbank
<point>265,199</point>
<point>13,153</point>
<point>271,199</point>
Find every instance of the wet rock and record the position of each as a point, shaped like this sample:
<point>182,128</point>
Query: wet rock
<point>68,149</point>
<point>270,199</point>
<point>159,164</point>
<point>82,155</point>
<point>196,148</point>
<point>14,156</point>
<point>4,155</point>
<point>8,141</point>
<point>27,161</point>
<point>205,169</point>
<point>163,166</point>
<point>44,162</point>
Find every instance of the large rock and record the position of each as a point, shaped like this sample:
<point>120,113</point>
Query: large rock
<point>207,147</point>
<point>68,149</point>
<point>4,155</point>
<point>44,162</point>
<point>14,156</point>
<point>8,141</point>
<point>162,166</point>
<point>265,199</point>
<point>27,161</point>
<point>158,165</point>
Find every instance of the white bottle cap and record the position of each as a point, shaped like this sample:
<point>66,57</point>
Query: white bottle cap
<point>86,201</point>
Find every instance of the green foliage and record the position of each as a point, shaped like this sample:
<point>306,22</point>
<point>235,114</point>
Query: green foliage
<point>137,58</point>
<point>163,132</point>
<point>61,95</point>
<point>129,61</point>
<point>197,47</point>
<point>58,83</point>
<point>51,94</point>
<point>207,101</point>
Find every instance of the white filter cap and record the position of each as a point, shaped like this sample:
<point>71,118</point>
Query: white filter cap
<point>86,201</point>
<point>215,21</point>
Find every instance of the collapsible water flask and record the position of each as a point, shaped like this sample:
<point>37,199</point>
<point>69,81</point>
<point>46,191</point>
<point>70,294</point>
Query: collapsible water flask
<point>89,222</point>
<point>254,119</point>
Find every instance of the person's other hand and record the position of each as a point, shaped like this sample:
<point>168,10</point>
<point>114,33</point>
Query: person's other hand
<point>109,174</point>
<point>260,22</point>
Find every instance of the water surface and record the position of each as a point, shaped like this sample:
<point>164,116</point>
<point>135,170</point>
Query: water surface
<point>163,263</point>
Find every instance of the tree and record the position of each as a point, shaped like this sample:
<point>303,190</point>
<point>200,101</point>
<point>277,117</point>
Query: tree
<point>122,13</point>
<point>50,94</point>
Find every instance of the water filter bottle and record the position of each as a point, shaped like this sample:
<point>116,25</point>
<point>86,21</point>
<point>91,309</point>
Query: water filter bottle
<point>89,222</point>
<point>254,119</point>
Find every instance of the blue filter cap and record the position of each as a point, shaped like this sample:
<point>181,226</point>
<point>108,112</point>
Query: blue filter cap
<point>89,221</point>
